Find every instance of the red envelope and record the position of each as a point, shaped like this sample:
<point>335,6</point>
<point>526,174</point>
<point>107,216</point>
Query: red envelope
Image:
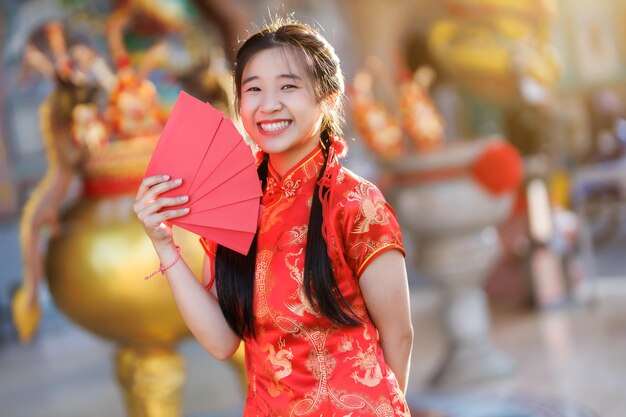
<point>234,216</point>
<point>184,142</point>
<point>237,160</point>
<point>242,186</point>
<point>232,239</point>
<point>220,149</point>
<point>201,146</point>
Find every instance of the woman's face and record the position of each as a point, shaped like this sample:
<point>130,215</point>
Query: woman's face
<point>278,105</point>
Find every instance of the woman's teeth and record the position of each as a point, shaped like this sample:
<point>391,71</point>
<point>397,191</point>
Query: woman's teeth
<point>273,127</point>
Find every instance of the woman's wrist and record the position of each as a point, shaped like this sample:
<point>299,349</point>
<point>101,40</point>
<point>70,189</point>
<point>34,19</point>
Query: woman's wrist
<point>165,250</point>
<point>163,268</point>
<point>168,254</point>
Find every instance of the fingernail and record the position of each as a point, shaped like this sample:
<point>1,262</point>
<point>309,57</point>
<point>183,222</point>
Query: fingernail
<point>178,181</point>
<point>186,209</point>
<point>166,177</point>
<point>184,198</point>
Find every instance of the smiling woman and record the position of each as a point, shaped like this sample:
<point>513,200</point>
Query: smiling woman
<point>321,299</point>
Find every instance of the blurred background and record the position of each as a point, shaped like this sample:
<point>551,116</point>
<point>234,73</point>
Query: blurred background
<point>496,128</point>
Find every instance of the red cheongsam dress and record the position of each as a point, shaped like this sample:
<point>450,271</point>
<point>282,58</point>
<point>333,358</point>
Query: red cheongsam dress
<point>300,364</point>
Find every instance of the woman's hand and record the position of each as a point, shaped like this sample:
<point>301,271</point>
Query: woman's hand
<point>148,204</point>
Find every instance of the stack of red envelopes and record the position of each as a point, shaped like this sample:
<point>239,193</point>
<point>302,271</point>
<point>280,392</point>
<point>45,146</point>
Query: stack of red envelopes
<point>203,147</point>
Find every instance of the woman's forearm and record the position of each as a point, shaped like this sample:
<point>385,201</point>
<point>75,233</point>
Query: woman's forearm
<point>199,308</point>
<point>397,346</point>
<point>385,290</point>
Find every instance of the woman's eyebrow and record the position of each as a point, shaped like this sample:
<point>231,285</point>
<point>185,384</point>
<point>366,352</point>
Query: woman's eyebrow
<point>251,78</point>
<point>288,76</point>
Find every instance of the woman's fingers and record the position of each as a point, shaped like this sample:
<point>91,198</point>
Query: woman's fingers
<point>157,189</point>
<point>149,182</point>
<point>147,206</point>
<point>167,202</point>
<point>156,185</point>
<point>154,220</point>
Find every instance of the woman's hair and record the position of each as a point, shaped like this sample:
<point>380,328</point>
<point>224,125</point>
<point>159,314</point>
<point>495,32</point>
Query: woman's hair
<point>235,273</point>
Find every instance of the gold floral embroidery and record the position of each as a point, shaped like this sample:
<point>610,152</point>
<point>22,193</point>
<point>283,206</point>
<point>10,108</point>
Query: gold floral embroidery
<point>351,401</point>
<point>291,183</point>
<point>290,187</point>
<point>272,185</point>
<point>345,345</point>
<point>372,211</point>
<point>295,236</point>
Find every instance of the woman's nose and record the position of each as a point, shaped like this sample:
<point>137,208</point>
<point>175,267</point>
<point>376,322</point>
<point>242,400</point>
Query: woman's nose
<point>270,102</point>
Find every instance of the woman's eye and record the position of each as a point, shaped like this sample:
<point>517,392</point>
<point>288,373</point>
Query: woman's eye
<point>253,89</point>
<point>288,86</point>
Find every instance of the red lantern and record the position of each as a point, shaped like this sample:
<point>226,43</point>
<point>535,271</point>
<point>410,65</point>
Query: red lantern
<point>498,169</point>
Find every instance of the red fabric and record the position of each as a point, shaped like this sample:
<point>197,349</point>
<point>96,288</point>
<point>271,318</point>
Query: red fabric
<point>301,364</point>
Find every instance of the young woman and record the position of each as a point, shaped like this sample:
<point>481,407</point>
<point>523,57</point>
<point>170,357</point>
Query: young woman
<point>321,301</point>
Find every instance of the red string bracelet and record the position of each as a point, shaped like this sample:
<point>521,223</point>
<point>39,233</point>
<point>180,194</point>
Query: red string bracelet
<point>162,268</point>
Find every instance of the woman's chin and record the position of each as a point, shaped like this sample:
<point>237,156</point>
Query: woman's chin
<point>273,148</point>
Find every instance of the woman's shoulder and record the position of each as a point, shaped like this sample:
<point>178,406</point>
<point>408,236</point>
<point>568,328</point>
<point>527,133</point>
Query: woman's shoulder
<point>351,185</point>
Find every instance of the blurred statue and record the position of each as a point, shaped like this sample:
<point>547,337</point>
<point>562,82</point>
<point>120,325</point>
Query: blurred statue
<point>42,208</point>
<point>385,134</point>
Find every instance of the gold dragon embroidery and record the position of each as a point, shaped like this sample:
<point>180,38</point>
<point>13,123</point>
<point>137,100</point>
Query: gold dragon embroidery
<point>272,215</point>
<point>397,396</point>
<point>280,366</point>
<point>369,373</point>
<point>301,303</point>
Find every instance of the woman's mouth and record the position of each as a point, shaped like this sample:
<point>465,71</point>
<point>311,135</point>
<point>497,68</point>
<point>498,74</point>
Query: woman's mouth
<point>273,127</point>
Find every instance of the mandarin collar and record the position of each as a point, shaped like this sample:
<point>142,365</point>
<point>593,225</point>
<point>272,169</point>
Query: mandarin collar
<point>301,173</point>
